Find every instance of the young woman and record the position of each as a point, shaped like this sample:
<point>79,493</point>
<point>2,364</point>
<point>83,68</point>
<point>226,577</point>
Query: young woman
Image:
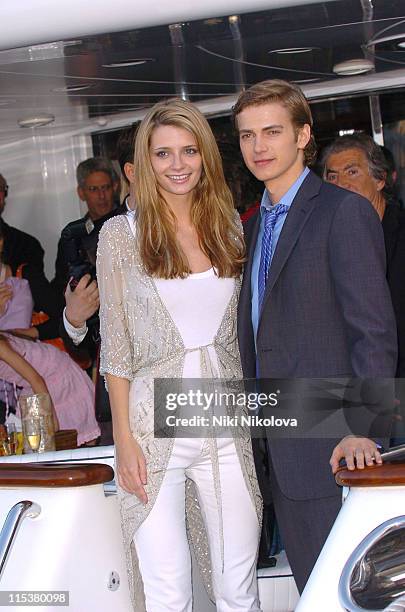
<point>169,280</point>
<point>37,367</point>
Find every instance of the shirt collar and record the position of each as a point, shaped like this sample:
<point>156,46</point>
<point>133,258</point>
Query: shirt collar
<point>130,212</point>
<point>288,197</point>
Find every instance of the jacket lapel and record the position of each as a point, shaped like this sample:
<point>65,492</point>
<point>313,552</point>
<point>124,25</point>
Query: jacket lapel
<point>299,213</point>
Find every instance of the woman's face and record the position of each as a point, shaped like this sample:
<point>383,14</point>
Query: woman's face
<point>175,159</point>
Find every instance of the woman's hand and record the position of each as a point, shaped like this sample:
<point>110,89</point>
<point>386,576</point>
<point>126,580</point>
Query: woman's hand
<point>131,467</point>
<point>356,452</point>
<point>6,293</point>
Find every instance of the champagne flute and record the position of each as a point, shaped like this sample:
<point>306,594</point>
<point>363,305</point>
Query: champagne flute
<point>12,438</point>
<point>33,430</point>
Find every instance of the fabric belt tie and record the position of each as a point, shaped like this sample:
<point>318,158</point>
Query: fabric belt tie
<point>208,371</point>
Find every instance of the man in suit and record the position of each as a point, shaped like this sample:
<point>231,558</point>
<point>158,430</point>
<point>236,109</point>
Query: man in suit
<point>357,163</point>
<point>20,247</point>
<point>314,303</point>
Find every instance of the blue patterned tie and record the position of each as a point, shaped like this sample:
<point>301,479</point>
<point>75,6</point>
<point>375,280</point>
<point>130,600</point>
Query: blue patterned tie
<point>266,255</point>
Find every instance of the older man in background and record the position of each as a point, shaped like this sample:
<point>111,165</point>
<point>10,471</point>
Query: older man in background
<point>97,183</point>
<point>355,162</point>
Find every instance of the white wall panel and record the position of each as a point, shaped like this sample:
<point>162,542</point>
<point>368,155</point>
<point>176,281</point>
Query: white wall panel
<point>40,172</point>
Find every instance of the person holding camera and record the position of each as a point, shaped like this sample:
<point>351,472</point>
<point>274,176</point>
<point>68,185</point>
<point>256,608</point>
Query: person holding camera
<point>97,183</point>
<point>79,326</point>
<point>83,303</point>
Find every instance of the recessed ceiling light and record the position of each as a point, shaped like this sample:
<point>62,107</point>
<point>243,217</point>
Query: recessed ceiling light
<point>401,44</point>
<point>129,62</point>
<point>214,21</point>
<point>36,121</point>
<point>73,88</point>
<point>353,66</point>
<point>102,121</point>
<point>293,50</point>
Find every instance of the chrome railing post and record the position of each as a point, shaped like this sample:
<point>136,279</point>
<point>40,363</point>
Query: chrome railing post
<point>20,511</point>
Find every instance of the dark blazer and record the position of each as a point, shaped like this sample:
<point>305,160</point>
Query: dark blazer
<point>393,224</point>
<point>88,246</point>
<point>21,248</point>
<point>327,312</point>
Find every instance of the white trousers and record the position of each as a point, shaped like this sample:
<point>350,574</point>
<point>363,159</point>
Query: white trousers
<point>161,541</point>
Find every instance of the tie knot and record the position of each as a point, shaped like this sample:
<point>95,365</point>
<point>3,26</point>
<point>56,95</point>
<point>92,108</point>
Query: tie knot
<point>271,216</point>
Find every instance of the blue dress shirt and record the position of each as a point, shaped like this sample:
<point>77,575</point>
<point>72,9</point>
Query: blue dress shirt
<point>266,203</point>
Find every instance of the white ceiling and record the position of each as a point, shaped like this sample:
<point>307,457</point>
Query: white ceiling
<point>209,59</point>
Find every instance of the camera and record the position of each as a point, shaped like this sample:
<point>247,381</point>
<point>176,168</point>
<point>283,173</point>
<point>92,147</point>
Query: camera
<point>79,240</point>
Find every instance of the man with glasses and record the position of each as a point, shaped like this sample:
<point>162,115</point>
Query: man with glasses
<point>97,183</point>
<point>19,247</point>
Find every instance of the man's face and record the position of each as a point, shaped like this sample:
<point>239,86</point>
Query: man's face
<point>98,193</point>
<point>270,146</point>
<point>3,194</point>
<point>349,169</point>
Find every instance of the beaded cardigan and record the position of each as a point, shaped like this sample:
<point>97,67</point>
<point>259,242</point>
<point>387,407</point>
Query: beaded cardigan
<point>140,342</point>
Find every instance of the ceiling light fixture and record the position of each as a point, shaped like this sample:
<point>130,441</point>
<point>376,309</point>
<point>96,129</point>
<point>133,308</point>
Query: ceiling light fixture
<point>401,44</point>
<point>293,50</point>
<point>69,88</point>
<point>102,121</point>
<point>353,66</point>
<point>129,62</point>
<point>214,21</point>
<point>36,121</point>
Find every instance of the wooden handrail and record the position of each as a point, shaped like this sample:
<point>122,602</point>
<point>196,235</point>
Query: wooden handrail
<point>54,474</point>
<point>385,475</point>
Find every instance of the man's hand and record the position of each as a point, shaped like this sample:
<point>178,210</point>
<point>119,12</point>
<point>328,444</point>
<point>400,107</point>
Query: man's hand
<point>83,302</point>
<point>357,452</point>
<point>6,293</point>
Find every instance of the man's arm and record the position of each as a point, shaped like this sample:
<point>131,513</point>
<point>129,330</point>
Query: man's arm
<point>81,304</point>
<point>358,268</point>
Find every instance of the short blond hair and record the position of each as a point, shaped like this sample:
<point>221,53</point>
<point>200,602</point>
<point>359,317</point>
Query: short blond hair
<point>287,94</point>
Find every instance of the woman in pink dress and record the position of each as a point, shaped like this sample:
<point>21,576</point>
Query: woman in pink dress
<point>42,368</point>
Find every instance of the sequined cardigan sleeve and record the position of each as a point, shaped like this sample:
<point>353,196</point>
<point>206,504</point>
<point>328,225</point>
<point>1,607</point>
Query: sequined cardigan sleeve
<point>116,349</point>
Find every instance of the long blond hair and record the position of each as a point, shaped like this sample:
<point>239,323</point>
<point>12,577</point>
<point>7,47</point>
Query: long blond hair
<point>212,210</point>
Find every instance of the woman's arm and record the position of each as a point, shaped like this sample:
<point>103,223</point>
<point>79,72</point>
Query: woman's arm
<point>26,371</point>
<point>131,465</point>
<point>116,360</point>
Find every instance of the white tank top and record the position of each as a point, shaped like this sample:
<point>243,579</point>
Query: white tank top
<point>197,305</point>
